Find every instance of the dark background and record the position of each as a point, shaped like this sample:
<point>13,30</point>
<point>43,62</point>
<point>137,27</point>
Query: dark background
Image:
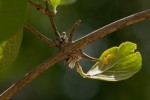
<point>60,82</point>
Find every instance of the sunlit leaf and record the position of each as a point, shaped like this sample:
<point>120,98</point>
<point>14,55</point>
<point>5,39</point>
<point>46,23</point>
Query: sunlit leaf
<point>116,63</point>
<point>9,49</point>
<point>54,4</point>
<point>12,16</point>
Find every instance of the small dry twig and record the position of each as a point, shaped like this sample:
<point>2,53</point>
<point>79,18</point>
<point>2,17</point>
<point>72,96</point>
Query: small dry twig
<point>50,15</point>
<point>83,55</point>
<point>74,28</point>
<point>39,35</point>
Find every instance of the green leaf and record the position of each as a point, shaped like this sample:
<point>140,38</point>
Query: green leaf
<point>54,4</point>
<point>12,17</point>
<point>116,63</point>
<point>9,49</point>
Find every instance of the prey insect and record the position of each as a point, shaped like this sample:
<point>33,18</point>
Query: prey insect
<point>106,58</point>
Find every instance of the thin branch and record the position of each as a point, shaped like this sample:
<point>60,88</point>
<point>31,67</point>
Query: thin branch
<point>79,70</point>
<point>119,24</point>
<point>39,35</point>
<point>47,12</point>
<point>51,18</point>
<point>71,48</point>
<point>75,26</point>
<point>83,55</point>
<point>6,95</point>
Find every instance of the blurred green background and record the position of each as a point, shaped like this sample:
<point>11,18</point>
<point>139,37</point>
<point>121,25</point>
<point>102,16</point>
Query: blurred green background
<point>62,83</point>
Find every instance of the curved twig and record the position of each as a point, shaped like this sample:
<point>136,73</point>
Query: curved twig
<point>85,56</point>
<point>39,35</point>
<point>71,34</point>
